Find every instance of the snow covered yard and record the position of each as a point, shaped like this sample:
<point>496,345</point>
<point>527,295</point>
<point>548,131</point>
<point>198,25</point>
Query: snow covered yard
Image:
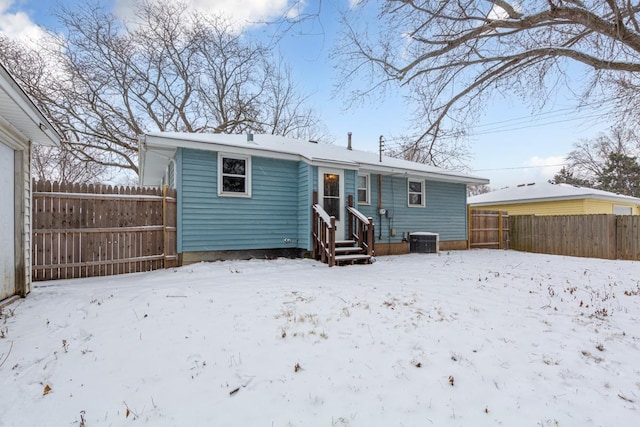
<point>461,338</point>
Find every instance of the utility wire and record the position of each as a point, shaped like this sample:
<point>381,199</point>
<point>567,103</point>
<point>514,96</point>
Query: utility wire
<point>502,125</point>
<point>520,167</point>
<point>398,142</point>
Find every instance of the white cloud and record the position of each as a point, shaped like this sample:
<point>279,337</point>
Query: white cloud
<point>18,25</point>
<point>244,13</point>
<point>541,169</point>
<point>354,3</point>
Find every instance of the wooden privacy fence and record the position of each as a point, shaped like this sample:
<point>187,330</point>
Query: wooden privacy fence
<point>489,229</point>
<point>96,230</point>
<point>594,236</point>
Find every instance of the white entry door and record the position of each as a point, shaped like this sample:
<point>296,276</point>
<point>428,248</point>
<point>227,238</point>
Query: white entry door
<point>7,223</point>
<point>331,196</point>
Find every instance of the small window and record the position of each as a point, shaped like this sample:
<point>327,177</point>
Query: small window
<point>416,192</point>
<point>234,175</point>
<point>622,210</point>
<point>363,189</point>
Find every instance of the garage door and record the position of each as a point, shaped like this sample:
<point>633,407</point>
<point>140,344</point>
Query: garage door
<point>7,223</point>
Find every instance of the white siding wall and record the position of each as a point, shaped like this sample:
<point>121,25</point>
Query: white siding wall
<point>22,208</point>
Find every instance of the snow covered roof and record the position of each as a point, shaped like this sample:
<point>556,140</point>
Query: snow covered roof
<point>157,149</point>
<point>22,115</point>
<point>543,192</point>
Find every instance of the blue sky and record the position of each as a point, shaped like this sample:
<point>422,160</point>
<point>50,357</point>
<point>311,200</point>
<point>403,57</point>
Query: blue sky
<point>509,145</point>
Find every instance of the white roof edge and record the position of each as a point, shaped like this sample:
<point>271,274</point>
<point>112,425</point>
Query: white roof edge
<point>444,176</point>
<point>173,140</point>
<point>621,199</point>
<point>547,192</point>
<point>20,97</point>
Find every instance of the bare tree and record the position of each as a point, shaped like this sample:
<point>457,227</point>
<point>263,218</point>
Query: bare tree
<point>476,190</point>
<point>33,69</point>
<point>105,81</point>
<point>588,158</point>
<point>62,165</point>
<point>454,55</point>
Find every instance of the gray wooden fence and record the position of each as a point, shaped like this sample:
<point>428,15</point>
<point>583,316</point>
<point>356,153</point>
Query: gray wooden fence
<point>489,229</point>
<point>96,230</point>
<point>594,236</point>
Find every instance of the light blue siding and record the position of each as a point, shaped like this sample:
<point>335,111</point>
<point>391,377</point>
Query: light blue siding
<point>263,221</point>
<point>305,199</point>
<point>179,227</point>
<point>445,210</point>
<point>280,206</point>
<point>350,183</point>
<point>172,175</point>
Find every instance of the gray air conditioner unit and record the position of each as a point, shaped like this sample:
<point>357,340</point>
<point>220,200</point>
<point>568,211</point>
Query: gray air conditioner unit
<point>424,242</point>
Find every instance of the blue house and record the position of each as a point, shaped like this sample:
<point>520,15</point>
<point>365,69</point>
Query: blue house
<point>263,195</point>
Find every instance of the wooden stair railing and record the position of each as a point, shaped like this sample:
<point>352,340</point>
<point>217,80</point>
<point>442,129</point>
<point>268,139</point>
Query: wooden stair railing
<point>360,246</point>
<point>361,229</point>
<point>323,235</point>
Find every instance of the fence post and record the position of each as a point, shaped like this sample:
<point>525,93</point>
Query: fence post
<point>468,227</point>
<point>165,187</point>
<point>499,229</point>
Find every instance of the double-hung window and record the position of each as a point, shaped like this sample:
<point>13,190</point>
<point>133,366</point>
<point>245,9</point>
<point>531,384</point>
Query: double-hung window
<point>363,190</point>
<point>415,194</point>
<point>234,175</point>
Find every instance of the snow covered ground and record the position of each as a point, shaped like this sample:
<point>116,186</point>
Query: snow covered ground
<point>467,338</point>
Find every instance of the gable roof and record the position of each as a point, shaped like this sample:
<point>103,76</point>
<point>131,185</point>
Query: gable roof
<point>156,150</point>
<point>545,192</point>
<point>21,115</point>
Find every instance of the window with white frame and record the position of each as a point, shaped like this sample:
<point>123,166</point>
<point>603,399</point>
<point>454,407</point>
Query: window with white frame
<point>622,210</point>
<point>363,189</point>
<point>234,175</point>
<point>415,194</point>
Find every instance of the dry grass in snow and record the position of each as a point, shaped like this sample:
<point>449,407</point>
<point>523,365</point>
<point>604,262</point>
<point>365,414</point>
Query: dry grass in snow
<point>462,338</point>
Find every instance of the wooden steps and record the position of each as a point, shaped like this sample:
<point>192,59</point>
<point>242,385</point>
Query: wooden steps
<point>326,248</point>
<point>352,259</point>
<point>348,253</point>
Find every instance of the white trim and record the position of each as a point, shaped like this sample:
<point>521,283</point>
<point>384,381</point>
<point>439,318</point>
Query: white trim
<point>367,189</point>
<point>340,173</point>
<point>409,193</point>
<point>11,136</point>
<point>247,175</point>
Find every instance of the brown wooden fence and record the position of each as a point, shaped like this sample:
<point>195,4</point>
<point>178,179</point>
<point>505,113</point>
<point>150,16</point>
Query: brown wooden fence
<point>489,229</point>
<point>97,230</point>
<point>595,236</point>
